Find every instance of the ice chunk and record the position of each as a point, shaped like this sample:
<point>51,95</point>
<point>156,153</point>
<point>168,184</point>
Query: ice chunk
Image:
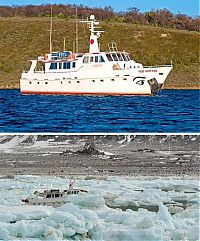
<point>147,222</point>
<point>7,218</point>
<point>88,200</point>
<point>4,233</point>
<point>126,234</point>
<point>164,215</point>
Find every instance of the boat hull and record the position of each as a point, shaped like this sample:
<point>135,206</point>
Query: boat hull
<point>109,86</point>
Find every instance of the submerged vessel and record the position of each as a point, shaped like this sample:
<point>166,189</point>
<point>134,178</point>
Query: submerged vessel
<point>94,73</point>
<point>53,197</point>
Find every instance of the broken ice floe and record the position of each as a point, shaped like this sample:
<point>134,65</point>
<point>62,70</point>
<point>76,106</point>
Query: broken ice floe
<point>89,218</point>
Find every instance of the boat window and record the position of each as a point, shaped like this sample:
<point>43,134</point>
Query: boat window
<point>86,59</point>
<point>53,66</point>
<point>91,59</point>
<point>101,59</point>
<point>120,57</point>
<point>60,65</point>
<point>56,195</point>
<point>96,59</point>
<point>115,57</point>
<point>128,57</point>
<point>66,65</point>
<point>73,65</point>
<point>124,57</point>
<point>48,196</point>
<point>61,195</point>
<point>68,192</point>
<point>109,57</point>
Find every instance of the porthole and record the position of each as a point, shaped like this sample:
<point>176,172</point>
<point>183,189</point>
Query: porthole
<point>101,80</point>
<point>69,82</point>
<point>61,82</point>
<point>75,77</point>
<point>46,83</point>
<point>38,83</point>
<point>78,81</point>
<point>93,80</point>
<point>124,78</point>
<point>112,79</point>
<point>30,82</point>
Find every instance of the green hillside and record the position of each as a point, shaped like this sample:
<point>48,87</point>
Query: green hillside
<point>22,39</point>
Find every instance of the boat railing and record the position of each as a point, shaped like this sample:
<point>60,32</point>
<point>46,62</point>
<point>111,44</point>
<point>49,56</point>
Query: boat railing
<point>36,71</point>
<point>158,66</point>
<point>39,71</point>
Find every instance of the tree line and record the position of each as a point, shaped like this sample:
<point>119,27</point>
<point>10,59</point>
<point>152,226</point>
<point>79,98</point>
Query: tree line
<point>161,17</point>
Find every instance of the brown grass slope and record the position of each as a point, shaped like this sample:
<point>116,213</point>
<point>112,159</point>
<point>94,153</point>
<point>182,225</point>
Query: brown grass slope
<point>22,39</point>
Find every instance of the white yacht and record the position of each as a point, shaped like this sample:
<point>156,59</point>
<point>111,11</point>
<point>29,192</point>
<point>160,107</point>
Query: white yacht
<point>54,197</point>
<point>97,72</point>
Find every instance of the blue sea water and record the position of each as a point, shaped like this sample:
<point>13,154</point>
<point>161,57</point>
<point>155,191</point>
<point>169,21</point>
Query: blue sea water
<point>171,111</point>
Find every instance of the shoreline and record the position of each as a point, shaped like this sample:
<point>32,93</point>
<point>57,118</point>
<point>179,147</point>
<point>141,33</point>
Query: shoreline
<point>96,157</point>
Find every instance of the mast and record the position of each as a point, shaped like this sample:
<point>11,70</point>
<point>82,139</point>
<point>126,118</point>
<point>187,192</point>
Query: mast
<point>76,50</point>
<point>50,32</point>
<point>64,44</point>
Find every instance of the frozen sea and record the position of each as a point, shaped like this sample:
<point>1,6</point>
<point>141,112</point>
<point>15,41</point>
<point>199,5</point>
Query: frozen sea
<point>115,208</point>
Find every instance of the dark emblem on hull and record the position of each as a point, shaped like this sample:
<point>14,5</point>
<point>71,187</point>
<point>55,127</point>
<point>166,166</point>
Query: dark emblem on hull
<point>139,80</point>
<point>155,87</point>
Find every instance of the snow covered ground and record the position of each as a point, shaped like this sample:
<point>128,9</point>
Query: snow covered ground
<point>115,209</point>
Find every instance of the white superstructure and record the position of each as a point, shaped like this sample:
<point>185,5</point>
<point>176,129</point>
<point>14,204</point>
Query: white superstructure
<point>92,73</point>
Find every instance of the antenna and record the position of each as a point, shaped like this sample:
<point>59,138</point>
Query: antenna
<point>94,35</point>
<point>76,30</point>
